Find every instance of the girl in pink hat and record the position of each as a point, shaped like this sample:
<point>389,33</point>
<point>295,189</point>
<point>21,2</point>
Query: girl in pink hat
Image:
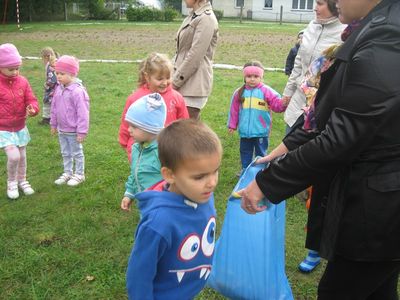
<point>70,119</point>
<point>250,113</point>
<point>17,101</point>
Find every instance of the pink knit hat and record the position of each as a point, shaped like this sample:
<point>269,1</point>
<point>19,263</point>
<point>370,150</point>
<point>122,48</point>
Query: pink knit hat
<point>67,64</point>
<point>9,56</point>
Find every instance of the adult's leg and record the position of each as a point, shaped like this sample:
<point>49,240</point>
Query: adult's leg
<point>354,280</point>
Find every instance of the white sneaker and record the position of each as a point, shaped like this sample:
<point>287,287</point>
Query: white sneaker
<point>63,179</point>
<point>26,187</point>
<point>76,179</point>
<point>12,189</point>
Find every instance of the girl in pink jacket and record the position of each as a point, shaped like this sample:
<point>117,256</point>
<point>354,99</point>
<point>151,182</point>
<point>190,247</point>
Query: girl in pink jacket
<point>17,101</point>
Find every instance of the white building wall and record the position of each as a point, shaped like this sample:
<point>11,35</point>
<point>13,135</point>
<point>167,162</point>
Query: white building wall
<point>254,9</point>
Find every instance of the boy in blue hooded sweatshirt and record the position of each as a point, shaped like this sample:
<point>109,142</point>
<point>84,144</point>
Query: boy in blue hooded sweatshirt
<point>174,241</point>
<point>146,118</point>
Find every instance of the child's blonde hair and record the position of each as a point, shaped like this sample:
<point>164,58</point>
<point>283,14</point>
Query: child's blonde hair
<point>155,63</point>
<point>186,139</point>
<point>50,54</point>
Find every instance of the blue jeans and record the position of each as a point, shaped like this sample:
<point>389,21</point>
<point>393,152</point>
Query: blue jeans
<point>71,152</point>
<point>251,146</point>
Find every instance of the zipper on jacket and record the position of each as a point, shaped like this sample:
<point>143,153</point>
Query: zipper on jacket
<point>250,112</point>
<point>14,106</point>
<point>137,168</point>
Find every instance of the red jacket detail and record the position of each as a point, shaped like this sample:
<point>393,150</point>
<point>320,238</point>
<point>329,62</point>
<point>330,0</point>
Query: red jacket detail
<point>15,95</point>
<point>176,109</point>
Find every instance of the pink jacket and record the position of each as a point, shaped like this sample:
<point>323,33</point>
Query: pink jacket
<point>15,95</point>
<point>176,109</point>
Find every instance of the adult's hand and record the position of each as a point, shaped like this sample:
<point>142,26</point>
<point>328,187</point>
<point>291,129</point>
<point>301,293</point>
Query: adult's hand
<point>251,198</point>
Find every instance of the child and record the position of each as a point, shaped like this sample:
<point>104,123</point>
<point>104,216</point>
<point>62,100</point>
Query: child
<point>154,77</point>
<point>17,101</point>
<point>250,112</point>
<point>49,58</point>
<point>70,118</point>
<point>174,241</point>
<point>292,54</point>
<point>146,118</point>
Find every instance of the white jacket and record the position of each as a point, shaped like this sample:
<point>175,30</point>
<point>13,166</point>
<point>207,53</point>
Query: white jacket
<point>316,38</point>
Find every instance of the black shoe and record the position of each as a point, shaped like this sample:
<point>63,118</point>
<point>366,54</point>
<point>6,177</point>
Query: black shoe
<point>44,121</point>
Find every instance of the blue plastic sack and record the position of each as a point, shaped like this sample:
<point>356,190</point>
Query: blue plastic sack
<point>249,259</point>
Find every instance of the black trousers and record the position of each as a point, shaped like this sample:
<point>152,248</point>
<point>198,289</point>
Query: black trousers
<point>345,279</point>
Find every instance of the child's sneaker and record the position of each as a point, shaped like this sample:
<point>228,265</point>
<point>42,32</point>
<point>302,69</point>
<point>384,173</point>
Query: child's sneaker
<point>310,262</point>
<point>12,189</point>
<point>26,187</point>
<point>63,179</point>
<point>76,179</point>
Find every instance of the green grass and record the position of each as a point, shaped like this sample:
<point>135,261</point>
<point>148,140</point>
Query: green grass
<point>52,241</point>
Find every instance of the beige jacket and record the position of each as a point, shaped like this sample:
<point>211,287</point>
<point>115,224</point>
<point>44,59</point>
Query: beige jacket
<point>196,41</point>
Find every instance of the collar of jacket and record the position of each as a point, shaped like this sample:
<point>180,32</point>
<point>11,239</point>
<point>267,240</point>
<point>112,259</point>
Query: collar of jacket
<point>345,51</point>
<point>247,87</point>
<point>7,78</point>
<point>206,7</point>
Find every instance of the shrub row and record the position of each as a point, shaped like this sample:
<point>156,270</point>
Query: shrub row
<point>146,14</point>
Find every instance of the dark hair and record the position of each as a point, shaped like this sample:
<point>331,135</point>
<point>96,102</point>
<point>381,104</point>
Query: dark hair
<point>332,7</point>
<point>255,63</point>
<point>186,139</point>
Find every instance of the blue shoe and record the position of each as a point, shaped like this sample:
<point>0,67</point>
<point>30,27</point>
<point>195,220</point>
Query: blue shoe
<point>310,262</point>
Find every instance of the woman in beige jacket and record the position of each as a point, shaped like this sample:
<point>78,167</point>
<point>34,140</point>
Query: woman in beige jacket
<point>196,41</point>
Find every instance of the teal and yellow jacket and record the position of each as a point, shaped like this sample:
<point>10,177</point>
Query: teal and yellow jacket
<point>252,118</point>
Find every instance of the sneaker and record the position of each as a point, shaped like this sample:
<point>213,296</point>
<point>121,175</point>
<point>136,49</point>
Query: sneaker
<point>44,121</point>
<point>12,189</point>
<point>26,187</point>
<point>63,179</point>
<point>311,261</point>
<point>76,179</point>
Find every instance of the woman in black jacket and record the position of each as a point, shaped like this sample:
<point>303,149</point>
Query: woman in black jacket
<point>351,158</point>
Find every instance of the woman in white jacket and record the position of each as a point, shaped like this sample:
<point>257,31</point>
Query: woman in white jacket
<point>320,33</point>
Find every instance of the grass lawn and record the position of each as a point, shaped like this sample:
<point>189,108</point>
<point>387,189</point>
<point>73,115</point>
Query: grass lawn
<point>73,243</point>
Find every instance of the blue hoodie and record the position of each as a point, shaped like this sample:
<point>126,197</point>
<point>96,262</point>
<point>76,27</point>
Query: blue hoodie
<point>173,249</point>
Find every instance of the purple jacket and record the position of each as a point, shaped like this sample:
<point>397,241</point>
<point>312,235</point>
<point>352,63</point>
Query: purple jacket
<point>70,109</point>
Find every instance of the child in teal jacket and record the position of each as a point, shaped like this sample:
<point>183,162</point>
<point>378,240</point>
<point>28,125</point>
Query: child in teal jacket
<point>146,118</point>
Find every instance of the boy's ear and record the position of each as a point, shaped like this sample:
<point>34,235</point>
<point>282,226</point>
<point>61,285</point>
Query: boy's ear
<point>168,175</point>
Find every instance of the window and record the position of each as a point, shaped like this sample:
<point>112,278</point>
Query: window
<point>267,3</point>
<point>302,4</point>
<point>239,3</point>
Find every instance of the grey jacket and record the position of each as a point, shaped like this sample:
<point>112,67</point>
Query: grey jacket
<point>196,41</point>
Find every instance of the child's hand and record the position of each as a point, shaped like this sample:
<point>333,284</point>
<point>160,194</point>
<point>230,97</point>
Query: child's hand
<point>80,138</point>
<point>231,130</point>
<point>30,111</point>
<point>126,204</point>
<point>286,100</point>
<point>53,131</point>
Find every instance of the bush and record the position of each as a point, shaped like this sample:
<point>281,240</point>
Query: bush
<point>218,14</point>
<point>170,14</point>
<point>146,14</point>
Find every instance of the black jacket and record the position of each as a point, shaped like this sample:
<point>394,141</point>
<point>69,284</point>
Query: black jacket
<point>290,59</point>
<point>354,158</point>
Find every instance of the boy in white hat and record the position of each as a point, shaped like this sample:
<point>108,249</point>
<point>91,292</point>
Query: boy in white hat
<point>146,118</point>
